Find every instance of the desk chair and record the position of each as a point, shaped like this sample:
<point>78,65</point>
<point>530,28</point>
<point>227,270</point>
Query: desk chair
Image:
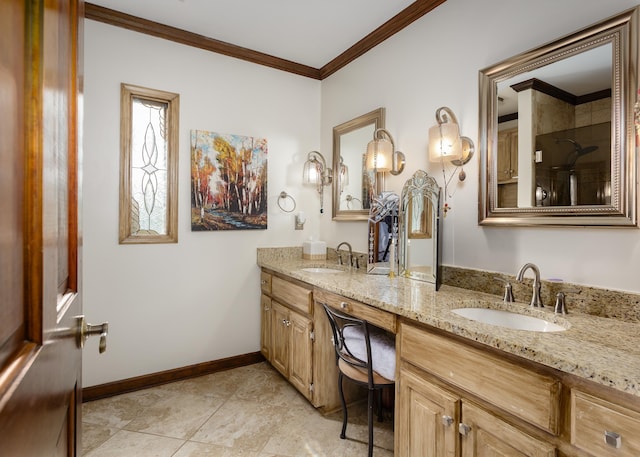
<point>356,343</point>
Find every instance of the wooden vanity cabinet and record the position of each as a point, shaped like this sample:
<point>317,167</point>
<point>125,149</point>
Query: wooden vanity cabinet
<point>457,400</point>
<point>603,428</point>
<point>292,347</point>
<point>286,330</point>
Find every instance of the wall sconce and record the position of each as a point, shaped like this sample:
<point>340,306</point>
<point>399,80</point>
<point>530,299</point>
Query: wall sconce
<point>382,155</point>
<point>446,144</point>
<point>315,172</point>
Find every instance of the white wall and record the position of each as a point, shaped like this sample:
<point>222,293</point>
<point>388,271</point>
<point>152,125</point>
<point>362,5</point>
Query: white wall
<point>173,305</point>
<point>435,62</point>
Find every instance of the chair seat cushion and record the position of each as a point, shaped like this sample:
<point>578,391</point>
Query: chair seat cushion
<point>383,350</point>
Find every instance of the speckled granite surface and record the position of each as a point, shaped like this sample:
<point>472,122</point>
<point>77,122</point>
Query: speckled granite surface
<point>606,351</point>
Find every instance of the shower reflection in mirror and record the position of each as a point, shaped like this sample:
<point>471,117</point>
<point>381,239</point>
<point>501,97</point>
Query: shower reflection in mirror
<point>383,234</point>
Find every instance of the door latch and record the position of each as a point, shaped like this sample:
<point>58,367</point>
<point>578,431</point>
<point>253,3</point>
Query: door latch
<point>85,330</point>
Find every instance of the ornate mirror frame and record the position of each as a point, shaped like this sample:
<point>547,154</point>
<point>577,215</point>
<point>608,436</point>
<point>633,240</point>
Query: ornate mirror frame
<point>353,157</point>
<point>621,31</point>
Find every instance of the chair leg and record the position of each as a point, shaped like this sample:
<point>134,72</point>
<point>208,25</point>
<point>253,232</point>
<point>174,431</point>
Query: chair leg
<point>344,407</point>
<point>370,421</point>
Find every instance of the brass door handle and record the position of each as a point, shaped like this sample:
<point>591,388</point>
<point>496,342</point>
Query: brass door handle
<point>85,330</point>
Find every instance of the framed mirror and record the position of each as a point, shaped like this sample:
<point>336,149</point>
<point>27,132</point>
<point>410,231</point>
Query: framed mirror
<point>383,234</point>
<point>557,137</point>
<point>353,186</point>
<point>419,232</point>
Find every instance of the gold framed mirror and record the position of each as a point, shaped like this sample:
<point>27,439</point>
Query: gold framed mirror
<point>419,233</point>
<point>557,137</point>
<point>353,186</point>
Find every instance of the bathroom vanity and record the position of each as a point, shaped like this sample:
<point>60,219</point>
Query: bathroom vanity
<point>462,388</point>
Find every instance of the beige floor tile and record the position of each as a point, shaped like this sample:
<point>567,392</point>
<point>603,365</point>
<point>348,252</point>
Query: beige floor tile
<point>311,434</point>
<point>222,384</point>
<point>120,410</point>
<point>176,415</point>
<point>242,424</point>
<point>268,386</point>
<point>244,412</point>
<point>192,449</point>
<point>94,435</point>
<point>130,444</point>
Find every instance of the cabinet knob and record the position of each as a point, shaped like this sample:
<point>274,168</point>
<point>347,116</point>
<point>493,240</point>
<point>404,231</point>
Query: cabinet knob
<point>613,439</point>
<point>263,282</point>
<point>343,305</point>
<point>464,429</point>
<point>447,421</point>
<point>286,322</point>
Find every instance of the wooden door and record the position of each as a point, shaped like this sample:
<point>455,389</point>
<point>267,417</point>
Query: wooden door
<point>280,338</point>
<point>427,418</point>
<point>40,251</point>
<point>489,436</point>
<point>301,350</point>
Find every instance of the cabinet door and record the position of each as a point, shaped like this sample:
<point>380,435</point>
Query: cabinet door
<point>280,338</point>
<point>485,435</point>
<point>266,332</point>
<point>507,163</point>
<point>427,418</point>
<point>300,350</point>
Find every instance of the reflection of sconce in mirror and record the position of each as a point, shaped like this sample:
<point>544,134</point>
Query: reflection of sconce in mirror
<point>344,175</point>
<point>382,155</point>
<point>446,144</point>
<point>316,173</point>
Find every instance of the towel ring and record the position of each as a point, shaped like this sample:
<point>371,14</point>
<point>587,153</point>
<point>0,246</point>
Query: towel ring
<point>283,197</point>
<point>350,199</point>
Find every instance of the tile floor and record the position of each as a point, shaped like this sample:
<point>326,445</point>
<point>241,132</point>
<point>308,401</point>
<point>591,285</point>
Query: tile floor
<point>245,412</point>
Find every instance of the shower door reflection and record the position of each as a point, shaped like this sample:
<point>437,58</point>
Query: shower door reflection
<point>573,167</point>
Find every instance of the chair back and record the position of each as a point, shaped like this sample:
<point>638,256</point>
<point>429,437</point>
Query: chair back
<point>351,340</point>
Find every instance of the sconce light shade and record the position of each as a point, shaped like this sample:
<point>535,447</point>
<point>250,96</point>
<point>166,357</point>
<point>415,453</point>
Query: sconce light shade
<point>444,142</point>
<point>379,155</point>
<point>311,173</point>
<point>315,171</point>
<point>382,156</point>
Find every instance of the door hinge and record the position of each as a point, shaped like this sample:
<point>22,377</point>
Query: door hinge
<point>312,335</point>
<point>311,388</point>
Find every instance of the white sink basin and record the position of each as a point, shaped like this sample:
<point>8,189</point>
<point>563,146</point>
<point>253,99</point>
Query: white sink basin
<point>508,319</point>
<point>321,270</point>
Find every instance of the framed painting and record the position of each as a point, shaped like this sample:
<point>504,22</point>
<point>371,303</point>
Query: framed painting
<point>228,182</point>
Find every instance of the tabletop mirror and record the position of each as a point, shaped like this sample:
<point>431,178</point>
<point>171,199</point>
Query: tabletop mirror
<point>557,138</point>
<point>419,232</point>
<point>383,234</point>
<point>353,186</point>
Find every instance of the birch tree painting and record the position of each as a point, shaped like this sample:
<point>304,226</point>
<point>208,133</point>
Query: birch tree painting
<point>228,182</point>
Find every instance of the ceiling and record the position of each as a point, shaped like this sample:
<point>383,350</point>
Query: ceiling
<point>308,32</point>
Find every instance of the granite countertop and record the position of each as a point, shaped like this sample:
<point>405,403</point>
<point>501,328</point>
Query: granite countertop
<point>606,351</point>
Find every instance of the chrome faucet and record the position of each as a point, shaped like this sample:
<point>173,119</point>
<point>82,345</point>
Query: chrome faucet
<point>340,255</point>
<point>536,302</point>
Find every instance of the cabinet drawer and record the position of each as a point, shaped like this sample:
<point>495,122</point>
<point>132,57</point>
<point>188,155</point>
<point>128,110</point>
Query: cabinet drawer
<point>265,282</point>
<point>593,418</point>
<point>292,294</point>
<point>375,316</point>
<point>531,396</point>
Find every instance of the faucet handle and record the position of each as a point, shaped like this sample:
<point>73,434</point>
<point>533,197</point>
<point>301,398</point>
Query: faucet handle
<point>561,306</point>
<point>508,290</point>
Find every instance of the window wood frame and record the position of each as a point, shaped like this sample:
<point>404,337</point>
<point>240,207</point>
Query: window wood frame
<point>127,93</point>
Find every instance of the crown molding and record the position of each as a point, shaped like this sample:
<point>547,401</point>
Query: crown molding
<point>116,18</point>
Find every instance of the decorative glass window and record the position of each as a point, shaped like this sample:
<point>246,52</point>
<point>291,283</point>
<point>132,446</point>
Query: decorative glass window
<point>148,165</point>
